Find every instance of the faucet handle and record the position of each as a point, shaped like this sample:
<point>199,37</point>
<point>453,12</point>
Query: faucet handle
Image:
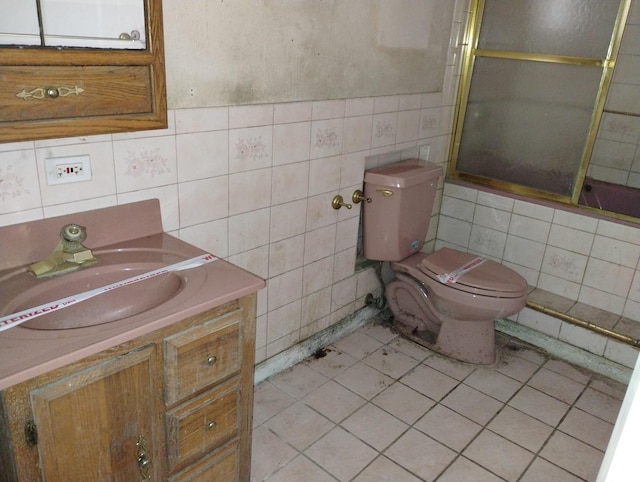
<point>73,233</point>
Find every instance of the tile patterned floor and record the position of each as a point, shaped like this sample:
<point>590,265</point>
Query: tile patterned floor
<point>380,408</point>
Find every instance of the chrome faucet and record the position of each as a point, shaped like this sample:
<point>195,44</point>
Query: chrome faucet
<point>69,255</point>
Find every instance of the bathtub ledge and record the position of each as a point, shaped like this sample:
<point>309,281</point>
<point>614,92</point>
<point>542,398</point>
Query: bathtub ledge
<point>606,335</point>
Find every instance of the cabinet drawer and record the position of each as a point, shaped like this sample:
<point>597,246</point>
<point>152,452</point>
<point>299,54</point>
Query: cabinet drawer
<point>81,92</point>
<point>220,466</point>
<point>201,356</point>
<point>200,425</point>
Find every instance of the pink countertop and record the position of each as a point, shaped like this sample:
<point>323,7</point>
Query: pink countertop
<point>26,353</point>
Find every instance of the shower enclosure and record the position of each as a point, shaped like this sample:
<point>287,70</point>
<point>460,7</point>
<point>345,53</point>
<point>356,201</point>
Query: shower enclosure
<point>534,84</point>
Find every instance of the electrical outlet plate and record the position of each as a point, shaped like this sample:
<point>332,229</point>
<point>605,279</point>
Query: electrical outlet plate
<point>62,170</point>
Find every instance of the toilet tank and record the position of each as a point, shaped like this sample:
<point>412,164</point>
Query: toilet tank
<point>395,222</point>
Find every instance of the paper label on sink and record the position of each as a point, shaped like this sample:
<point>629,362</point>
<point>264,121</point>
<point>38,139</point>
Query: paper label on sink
<point>15,319</point>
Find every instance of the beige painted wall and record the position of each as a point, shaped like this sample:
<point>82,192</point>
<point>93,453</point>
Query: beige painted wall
<point>234,52</point>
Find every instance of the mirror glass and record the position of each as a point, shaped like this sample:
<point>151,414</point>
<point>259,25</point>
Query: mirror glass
<point>19,23</point>
<point>105,24</point>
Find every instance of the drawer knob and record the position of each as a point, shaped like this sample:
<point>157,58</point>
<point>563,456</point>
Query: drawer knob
<point>211,425</point>
<point>211,360</point>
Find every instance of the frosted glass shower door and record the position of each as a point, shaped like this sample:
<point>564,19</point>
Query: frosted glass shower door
<point>537,76</point>
<point>526,122</point>
<point>578,28</point>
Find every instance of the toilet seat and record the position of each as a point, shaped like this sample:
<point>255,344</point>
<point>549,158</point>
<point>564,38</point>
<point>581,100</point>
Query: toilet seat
<point>486,279</point>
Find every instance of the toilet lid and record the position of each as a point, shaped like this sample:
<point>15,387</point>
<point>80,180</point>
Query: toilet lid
<point>488,276</point>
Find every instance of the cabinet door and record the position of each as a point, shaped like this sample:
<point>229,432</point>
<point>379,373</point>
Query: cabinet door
<point>101,423</point>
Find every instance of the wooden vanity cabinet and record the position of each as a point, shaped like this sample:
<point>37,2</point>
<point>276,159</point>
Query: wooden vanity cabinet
<point>172,405</point>
<point>69,92</point>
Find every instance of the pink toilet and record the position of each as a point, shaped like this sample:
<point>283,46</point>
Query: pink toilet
<point>447,300</point>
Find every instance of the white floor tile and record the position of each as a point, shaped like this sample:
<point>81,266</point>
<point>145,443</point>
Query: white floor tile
<point>299,425</point>
<point>301,469</point>
<point>421,454</point>
<point>384,470</point>
<point>269,454</point>
<point>472,404</point>
<point>572,455</point>
<point>346,417</point>
<point>403,402</point>
<point>341,454</point>
<point>429,382</point>
<point>499,455</point>
<point>374,426</point>
<point>364,380</point>
<point>465,470</point>
<point>358,345</point>
<point>391,362</point>
<point>334,401</point>
<point>299,380</point>
<point>448,427</point>
<point>269,400</point>
<point>521,428</point>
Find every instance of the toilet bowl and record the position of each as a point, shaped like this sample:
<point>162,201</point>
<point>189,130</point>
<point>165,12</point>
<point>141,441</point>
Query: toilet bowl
<point>447,300</point>
<point>455,319</point>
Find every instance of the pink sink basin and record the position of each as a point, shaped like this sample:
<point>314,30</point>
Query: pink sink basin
<point>128,241</point>
<point>24,291</point>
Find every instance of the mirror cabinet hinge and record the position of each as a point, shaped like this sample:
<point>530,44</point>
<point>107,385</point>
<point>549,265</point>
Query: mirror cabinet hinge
<point>31,433</point>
